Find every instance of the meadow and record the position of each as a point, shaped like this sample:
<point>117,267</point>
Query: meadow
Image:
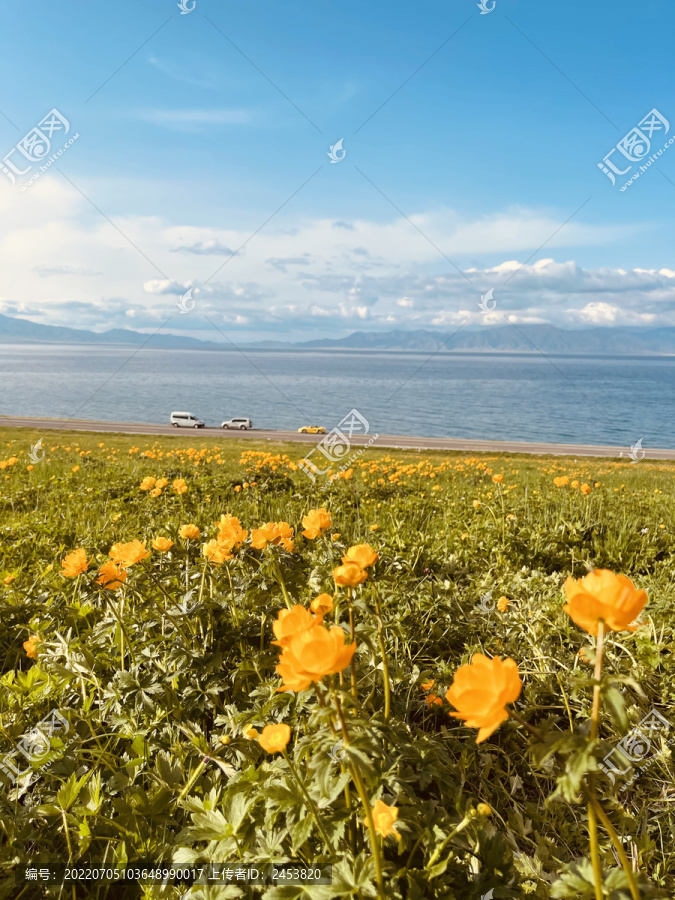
<point>397,673</point>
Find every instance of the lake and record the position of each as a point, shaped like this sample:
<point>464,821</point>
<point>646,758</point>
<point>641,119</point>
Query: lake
<point>514,397</point>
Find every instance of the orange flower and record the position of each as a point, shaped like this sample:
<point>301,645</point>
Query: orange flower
<point>433,700</point>
<point>161,483</point>
<point>156,492</point>
<point>273,533</point>
<point>231,534</point>
<point>8,579</point>
<point>497,479</point>
<point>427,685</point>
<point>31,646</point>
<point>349,575</point>
<point>250,733</point>
<point>215,552</point>
<point>128,554</point>
<point>111,576</point>
<point>603,595</point>
<point>189,532</point>
<point>561,481</point>
<point>384,817</point>
<point>322,604</point>
<point>481,690</point>
<point>74,564</point>
<point>274,738</point>
<point>475,503</point>
<point>290,622</point>
<point>76,469</point>
<point>503,604</point>
<point>162,544</point>
<point>179,486</point>
<point>147,484</point>
<point>361,554</point>
<point>373,528</point>
<point>585,488</point>
<point>316,522</point>
<point>313,654</point>
<point>575,484</point>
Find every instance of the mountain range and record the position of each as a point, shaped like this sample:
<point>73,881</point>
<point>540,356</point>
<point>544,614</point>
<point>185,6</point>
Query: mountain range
<point>618,341</point>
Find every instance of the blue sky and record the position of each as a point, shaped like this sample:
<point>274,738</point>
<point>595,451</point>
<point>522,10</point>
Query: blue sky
<point>470,140</point>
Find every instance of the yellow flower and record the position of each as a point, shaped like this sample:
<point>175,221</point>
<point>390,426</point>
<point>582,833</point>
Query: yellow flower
<point>561,481</point>
<point>322,604</point>
<point>274,738</point>
<point>76,469</point>
<point>311,655</point>
<point>179,486</point>
<point>215,552</point>
<point>290,622</point>
<point>585,488</point>
<point>384,817</point>
<point>156,492</point>
<point>29,468</point>
<point>74,563</point>
<point>349,575</point>
<point>335,536</point>
<point>189,532</point>
<point>575,484</point>
<point>597,484</point>
<point>503,604</point>
<point>272,533</point>
<point>361,554</point>
<point>147,484</point>
<point>497,479</point>
<point>111,576</point>
<point>231,534</point>
<point>316,522</point>
<point>8,579</point>
<point>476,504</point>
<point>373,527</point>
<point>31,646</point>
<point>250,733</point>
<point>161,482</point>
<point>483,809</point>
<point>603,595</point>
<point>481,690</point>
<point>128,554</point>
<point>162,544</point>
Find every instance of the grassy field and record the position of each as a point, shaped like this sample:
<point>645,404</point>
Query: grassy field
<point>160,687</point>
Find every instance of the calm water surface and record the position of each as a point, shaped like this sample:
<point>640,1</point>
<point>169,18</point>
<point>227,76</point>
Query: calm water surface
<point>608,401</point>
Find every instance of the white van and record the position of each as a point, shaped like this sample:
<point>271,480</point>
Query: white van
<point>185,420</point>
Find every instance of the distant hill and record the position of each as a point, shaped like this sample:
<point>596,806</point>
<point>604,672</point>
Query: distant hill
<point>494,339</point>
<point>21,331</point>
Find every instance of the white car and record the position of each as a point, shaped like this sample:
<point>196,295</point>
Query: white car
<point>185,420</point>
<point>241,424</point>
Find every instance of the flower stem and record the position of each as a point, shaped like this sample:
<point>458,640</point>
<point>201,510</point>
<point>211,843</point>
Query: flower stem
<point>198,771</point>
<point>352,634</point>
<point>595,724</point>
<point>310,803</point>
<point>618,846</point>
<point>361,789</point>
<point>383,651</point>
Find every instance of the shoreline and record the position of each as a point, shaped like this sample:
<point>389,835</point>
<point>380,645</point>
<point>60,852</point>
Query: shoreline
<point>383,441</point>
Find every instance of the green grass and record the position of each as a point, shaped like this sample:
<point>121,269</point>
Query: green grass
<point>149,693</point>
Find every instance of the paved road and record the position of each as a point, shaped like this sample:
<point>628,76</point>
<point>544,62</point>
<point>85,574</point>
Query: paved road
<point>401,442</point>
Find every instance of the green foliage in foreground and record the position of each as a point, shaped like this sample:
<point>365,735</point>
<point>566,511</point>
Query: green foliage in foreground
<point>158,682</point>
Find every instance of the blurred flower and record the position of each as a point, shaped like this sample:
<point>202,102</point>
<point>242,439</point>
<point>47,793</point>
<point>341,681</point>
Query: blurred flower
<point>335,536</point>
<point>481,690</point>
<point>483,809</point>
<point>597,484</point>
<point>147,484</point>
<point>274,738</point>
<point>180,486</point>
<point>162,544</point>
<point>111,576</point>
<point>575,484</point>
<point>433,700</point>
<point>427,685</point>
<point>290,622</point>
<point>76,469</point>
<point>384,817</point>
<point>316,522</point>
<point>8,579</point>
<point>373,528</point>
<point>29,468</point>
<point>74,563</point>
<point>161,482</point>
<point>497,479</point>
<point>128,554</point>
<point>603,595</point>
<point>585,488</point>
<point>503,604</point>
<point>31,646</point>
<point>156,492</point>
<point>322,604</point>
<point>189,532</point>
<point>215,552</point>
<point>361,554</point>
<point>349,575</point>
<point>561,481</point>
<point>476,503</point>
<point>250,733</point>
<point>313,654</point>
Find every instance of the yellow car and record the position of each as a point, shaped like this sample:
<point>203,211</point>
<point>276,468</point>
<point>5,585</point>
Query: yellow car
<point>311,429</point>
